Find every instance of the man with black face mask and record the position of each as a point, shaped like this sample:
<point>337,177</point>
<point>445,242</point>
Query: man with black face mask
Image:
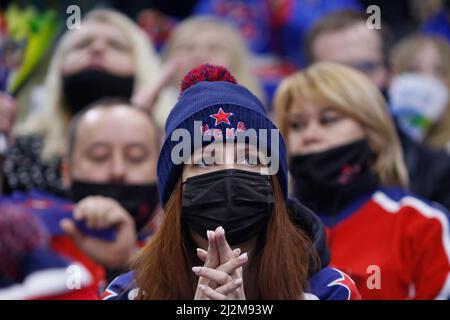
<point>110,170</point>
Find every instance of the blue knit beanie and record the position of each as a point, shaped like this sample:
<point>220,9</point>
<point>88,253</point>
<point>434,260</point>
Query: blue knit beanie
<point>211,95</point>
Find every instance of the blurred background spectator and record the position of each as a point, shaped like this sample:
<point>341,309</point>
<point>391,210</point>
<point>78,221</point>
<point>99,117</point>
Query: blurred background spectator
<point>428,56</point>
<point>108,56</point>
<point>195,41</point>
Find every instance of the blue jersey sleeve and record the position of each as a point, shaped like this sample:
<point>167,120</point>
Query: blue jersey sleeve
<point>122,287</point>
<point>331,284</point>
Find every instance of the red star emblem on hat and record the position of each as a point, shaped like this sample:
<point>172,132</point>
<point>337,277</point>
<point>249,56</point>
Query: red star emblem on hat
<point>221,116</point>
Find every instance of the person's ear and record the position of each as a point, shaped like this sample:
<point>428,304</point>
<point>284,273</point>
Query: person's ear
<point>65,172</point>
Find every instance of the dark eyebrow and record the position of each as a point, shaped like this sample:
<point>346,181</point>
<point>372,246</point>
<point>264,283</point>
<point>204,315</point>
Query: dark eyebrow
<point>297,115</point>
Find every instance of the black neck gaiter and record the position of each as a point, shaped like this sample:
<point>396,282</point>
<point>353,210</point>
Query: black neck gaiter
<point>239,201</point>
<point>328,181</point>
<point>87,86</point>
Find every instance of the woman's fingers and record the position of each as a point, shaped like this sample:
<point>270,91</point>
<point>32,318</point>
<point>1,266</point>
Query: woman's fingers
<point>222,274</point>
<point>222,280</point>
<point>146,97</point>
<point>222,292</point>
<point>201,254</point>
<point>229,287</point>
<point>212,258</point>
<point>225,252</point>
<point>217,276</point>
<point>210,293</point>
<point>233,264</point>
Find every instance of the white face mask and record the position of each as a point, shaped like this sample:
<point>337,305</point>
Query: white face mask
<point>416,102</point>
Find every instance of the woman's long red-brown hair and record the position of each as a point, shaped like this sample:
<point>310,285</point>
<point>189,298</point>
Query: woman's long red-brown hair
<point>281,259</point>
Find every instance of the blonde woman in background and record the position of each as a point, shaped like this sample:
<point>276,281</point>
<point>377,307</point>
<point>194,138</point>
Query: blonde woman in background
<point>428,56</point>
<point>108,56</point>
<point>347,165</point>
<point>199,40</point>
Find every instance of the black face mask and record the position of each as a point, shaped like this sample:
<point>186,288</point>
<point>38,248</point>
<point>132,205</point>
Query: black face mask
<point>327,181</point>
<point>87,86</point>
<point>139,200</point>
<point>239,201</point>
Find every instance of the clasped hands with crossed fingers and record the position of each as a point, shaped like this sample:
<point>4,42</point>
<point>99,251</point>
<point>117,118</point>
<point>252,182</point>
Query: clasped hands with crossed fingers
<point>220,278</point>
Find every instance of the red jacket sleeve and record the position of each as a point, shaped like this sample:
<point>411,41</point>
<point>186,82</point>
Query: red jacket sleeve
<point>428,250</point>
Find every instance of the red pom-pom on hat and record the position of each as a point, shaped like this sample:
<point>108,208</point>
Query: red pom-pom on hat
<point>20,233</point>
<point>206,72</point>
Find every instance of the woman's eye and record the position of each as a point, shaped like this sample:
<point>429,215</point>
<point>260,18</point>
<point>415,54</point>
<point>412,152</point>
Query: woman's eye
<point>329,120</point>
<point>296,126</point>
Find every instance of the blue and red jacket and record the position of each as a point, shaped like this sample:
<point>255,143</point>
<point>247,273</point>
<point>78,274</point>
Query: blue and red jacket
<point>326,284</point>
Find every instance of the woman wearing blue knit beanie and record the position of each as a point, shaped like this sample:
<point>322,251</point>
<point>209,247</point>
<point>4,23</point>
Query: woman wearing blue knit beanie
<point>229,230</point>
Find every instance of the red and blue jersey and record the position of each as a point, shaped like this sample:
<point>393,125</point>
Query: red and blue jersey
<point>45,275</point>
<point>393,245</point>
<point>51,210</point>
